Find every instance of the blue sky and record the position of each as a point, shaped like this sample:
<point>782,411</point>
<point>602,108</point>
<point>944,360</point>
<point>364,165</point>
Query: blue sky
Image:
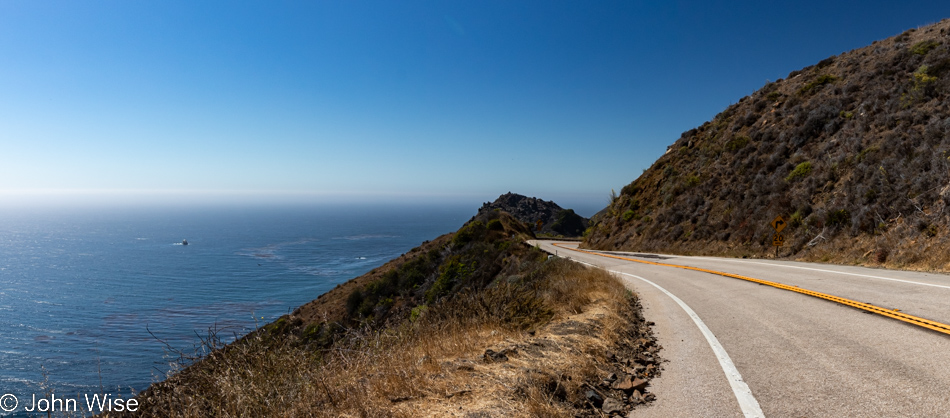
<point>378,101</point>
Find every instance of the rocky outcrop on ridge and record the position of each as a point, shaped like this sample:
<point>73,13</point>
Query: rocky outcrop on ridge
<point>556,221</point>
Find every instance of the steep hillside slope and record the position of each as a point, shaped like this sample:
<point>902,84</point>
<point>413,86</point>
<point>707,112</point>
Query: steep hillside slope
<point>475,322</point>
<point>852,151</point>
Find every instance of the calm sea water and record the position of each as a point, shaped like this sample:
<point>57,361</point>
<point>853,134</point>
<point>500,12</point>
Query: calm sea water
<point>79,288</point>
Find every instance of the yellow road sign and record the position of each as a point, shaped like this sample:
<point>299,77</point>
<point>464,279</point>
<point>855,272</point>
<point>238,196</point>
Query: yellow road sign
<point>778,240</point>
<point>540,222</point>
<point>778,224</point>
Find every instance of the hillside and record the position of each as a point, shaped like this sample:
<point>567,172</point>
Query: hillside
<point>854,152</point>
<point>474,323</point>
<point>555,220</point>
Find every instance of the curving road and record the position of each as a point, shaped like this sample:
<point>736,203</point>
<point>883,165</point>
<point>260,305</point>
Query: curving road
<point>793,355</point>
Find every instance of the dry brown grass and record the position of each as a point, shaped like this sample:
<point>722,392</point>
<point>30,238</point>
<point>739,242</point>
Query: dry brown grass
<point>555,326</point>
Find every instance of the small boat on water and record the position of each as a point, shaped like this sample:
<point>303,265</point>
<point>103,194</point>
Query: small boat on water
<point>184,242</point>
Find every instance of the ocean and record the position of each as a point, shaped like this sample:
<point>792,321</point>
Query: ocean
<point>90,297</point>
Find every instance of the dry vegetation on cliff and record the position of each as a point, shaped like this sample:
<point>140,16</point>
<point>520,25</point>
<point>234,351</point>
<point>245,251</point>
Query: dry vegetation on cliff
<point>475,323</point>
<point>854,152</point>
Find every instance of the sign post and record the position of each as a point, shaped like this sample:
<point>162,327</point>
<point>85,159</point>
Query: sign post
<point>778,240</point>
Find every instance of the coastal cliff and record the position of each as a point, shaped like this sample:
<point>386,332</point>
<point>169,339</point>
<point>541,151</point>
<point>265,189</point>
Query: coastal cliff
<point>475,320</point>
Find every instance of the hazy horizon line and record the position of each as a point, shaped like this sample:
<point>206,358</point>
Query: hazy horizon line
<point>36,198</point>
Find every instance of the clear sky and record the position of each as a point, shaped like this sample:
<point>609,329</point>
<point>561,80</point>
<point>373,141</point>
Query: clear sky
<point>383,100</point>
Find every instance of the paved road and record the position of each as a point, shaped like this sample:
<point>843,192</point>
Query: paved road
<point>800,356</point>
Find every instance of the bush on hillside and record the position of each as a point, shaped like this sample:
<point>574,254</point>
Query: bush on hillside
<point>818,82</point>
<point>802,170</point>
<point>923,47</point>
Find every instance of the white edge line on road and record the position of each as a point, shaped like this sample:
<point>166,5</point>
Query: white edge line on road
<point>814,269</point>
<point>828,271</point>
<point>748,403</point>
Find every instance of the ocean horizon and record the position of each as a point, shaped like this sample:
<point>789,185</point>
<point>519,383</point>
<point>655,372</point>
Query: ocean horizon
<point>89,297</point>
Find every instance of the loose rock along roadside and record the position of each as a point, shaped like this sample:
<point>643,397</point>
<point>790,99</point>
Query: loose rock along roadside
<point>573,362</point>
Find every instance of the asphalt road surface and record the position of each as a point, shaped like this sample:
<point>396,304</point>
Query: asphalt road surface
<point>791,355</point>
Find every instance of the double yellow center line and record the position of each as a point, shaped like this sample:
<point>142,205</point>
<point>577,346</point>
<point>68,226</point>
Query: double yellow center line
<point>926,323</point>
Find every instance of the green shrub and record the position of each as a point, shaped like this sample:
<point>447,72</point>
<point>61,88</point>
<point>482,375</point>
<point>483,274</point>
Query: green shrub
<point>630,189</point>
<point>495,225</point>
<point>312,331</point>
<point>628,215</point>
<point>840,217</point>
<point>568,223</point>
<point>924,86</point>
<point>820,81</point>
<point>737,143</point>
<point>774,96</point>
<point>796,219</point>
<point>930,231</point>
<point>366,308</point>
<point>417,312</point>
<point>802,170</point>
<point>692,181</point>
<point>635,204</point>
<point>412,273</point>
<point>322,334</point>
<point>354,301</point>
<point>384,286</point>
<point>277,327</point>
<point>452,272</point>
<point>469,233</point>
<point>923,47</point>
<point>923,80</point>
